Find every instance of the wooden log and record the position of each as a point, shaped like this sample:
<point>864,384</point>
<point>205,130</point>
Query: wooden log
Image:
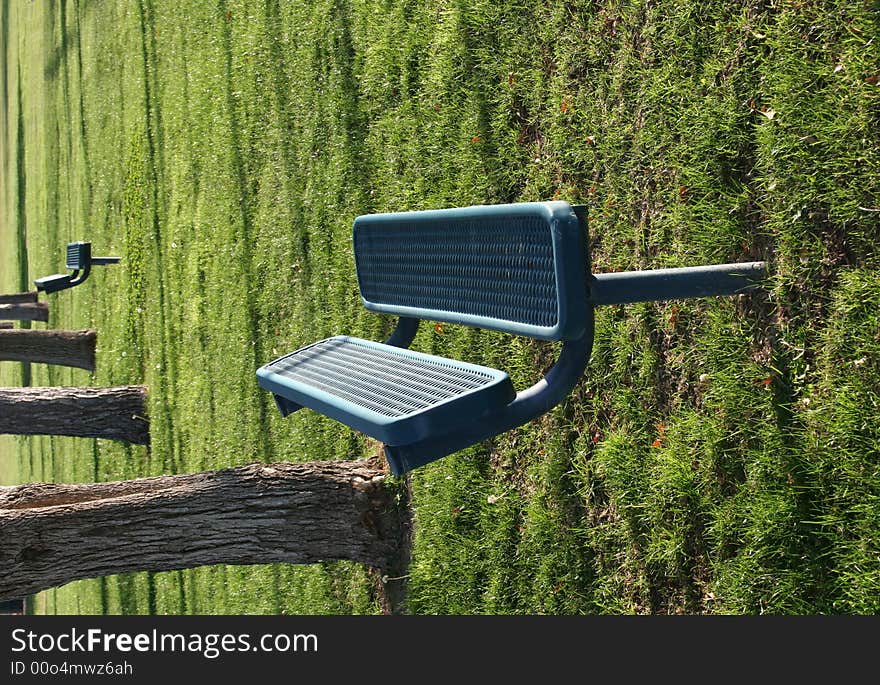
<point>62,348</point>
<point>19,298</point>
<point>300,513</point>
<point>30,311</point>
<point>117,413</point>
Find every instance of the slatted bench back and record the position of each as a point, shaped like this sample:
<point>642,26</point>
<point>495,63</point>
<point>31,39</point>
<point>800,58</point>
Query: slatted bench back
<point>78,255</point>
<point>519,268</point>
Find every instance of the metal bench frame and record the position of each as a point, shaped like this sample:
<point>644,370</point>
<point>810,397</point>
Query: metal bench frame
<point>80,260</point>
<point>577,292</point>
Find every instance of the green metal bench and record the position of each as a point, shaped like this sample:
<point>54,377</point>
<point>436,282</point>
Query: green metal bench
<point>522,269</point>
<point>80,260</point>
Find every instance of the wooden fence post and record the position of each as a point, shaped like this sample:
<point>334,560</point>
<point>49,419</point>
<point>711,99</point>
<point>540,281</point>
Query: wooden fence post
<point>29,311</point>
<point>19,298</point>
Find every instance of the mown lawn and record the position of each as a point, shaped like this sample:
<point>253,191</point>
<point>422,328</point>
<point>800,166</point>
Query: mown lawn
<point>720,456</point>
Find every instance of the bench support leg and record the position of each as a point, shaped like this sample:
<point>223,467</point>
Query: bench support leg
<point>652,285</point>
<point>285,406</point>
<point>404,333</point>
<point>528,405</point>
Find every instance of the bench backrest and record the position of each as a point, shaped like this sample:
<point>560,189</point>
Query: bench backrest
<point>519,268</point>
<point>78,255</point>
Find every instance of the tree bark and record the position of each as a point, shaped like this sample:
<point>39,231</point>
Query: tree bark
<point>115,413</point>
<point>29,311</point>
<point>63,348</point>
<point>255,514</point>
<point>19,298</point>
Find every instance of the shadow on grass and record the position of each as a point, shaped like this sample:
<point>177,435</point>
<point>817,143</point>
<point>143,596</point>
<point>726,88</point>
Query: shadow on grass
<point>4,77</point>
<point>181,593</point>
<point>68,38</point>
<point>489,151</point>
<point>21,219</point>
<point>84,142</point>
<point>280,90</point>
<point>105,603</point>
<point>354,125</point>
<point>127,585</point>
<point>21,195</point>
<point>57,64</point>
<point>151,593</point>
<point>247,194</point>
<point>154,163</point>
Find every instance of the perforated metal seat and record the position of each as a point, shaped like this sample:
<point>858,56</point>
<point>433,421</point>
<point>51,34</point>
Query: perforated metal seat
<point>394,395</point>
<point>53,283</point>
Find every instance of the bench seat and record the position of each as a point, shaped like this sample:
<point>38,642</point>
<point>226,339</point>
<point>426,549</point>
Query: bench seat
<point>395,395</point>
<point>53,283</point>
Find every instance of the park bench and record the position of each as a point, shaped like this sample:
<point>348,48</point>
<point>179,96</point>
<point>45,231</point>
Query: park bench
<point>80,260</point>
<point>522,269</point>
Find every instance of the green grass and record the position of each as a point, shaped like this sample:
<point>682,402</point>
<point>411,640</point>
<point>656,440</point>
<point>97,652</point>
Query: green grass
<point>719,455</point>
